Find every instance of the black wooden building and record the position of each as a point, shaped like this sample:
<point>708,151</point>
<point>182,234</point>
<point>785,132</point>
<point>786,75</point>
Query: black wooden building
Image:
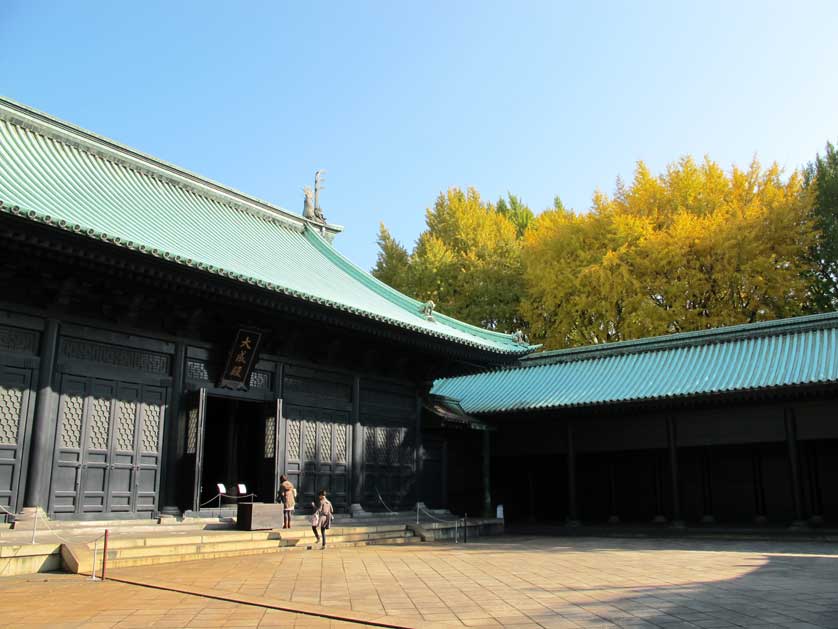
<point>161,333</point>
<point>735,427</point>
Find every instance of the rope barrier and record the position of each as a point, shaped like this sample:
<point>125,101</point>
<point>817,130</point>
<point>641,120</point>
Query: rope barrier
<point>382,501</point>
<point>218,496</point>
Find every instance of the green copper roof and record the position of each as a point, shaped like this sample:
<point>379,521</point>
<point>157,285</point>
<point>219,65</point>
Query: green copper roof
<point>54,173</point>
<point>782,353</point>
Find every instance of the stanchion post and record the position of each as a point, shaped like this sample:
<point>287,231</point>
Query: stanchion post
<point>95,548</point>
<point>465,528</point>
<point>105,555</point>
<point>34,524</point>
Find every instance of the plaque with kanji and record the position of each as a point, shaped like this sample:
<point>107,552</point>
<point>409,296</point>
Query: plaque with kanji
<point>242,359</point>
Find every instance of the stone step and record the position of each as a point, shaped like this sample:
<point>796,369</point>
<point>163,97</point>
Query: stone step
<point>151,555</point>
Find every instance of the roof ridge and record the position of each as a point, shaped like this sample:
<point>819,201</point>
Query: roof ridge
<point>723,334</point>
<point>83,139</point>
<point>400,299</point>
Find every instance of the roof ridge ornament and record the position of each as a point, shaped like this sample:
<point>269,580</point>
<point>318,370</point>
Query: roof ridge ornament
<point>520,338</point>
<point>311,204</point>
<point>428,310</point>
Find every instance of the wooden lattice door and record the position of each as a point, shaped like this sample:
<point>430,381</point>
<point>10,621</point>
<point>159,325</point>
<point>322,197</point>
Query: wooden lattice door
<point>14,411</point>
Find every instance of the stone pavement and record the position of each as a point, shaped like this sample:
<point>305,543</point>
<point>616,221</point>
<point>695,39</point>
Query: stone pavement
<point>510,581</point>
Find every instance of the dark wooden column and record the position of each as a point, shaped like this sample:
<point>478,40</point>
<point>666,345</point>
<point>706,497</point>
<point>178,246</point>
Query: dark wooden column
<point>443,495</point>
<point>657,487</point>
<point>672,443</point>
<point>794,467</point>
<point>357,489</point>
<point>759,487</point>
<point>40,455</point>
<point>613,518</point>
<point>419,454</point>
<point>173,429</point>
<point>815,496</point>
<point>572,509</point>
<point>487,474</point>
<point>707,516</point>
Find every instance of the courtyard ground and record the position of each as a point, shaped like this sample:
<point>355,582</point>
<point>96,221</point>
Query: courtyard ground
<point>509,581</point>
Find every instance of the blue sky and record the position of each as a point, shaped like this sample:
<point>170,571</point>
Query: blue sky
<point>399,101</point>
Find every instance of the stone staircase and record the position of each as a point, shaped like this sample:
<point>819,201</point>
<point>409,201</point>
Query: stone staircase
<point>162,547</point>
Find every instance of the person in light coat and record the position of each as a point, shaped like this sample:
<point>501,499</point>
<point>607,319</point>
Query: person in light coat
<point>322,517</point>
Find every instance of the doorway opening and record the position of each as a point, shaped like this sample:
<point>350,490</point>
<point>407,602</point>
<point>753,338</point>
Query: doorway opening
<point>238,449</point>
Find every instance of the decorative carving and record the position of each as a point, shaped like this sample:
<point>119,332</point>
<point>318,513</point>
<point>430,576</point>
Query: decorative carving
<point>100,424</point>
<point>340,443</point>
<point>270,437</point>
<point>520,338</point>
<point>260,380</point>
<point>17,340</point>
<point>310,442</point>
<point>197,370</point>
<point>428,310</point>
<point>318,186</point>
<point>325,431</point>
<point>393,441</point>
<point>192,431</point>
<point>369,448</point>
<point>125,422</point>
<point>151,427</point>
<point>71,422</point>
<point>294,429</point>
<point>308,203</point>
<point>127,358</point>
<point>11,400</point>
<point>381,445</point>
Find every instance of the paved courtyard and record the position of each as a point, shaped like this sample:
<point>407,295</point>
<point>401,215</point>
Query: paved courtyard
<point>503,581</point>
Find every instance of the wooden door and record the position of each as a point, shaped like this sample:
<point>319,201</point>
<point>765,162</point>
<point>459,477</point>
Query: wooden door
<point>70,432</point>
<point>149,448</point>
<point>316,450</point>
<point>15,396</point>
<point>196,410</point>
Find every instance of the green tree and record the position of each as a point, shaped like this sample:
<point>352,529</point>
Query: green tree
<point>468,260</point>
<point>391,266</point>
<point>516,211</point>
<point>821,180</point>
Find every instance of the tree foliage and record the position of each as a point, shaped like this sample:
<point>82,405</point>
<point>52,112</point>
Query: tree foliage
<point>468,259</point>
<point>821,179</point>
<point>690,249</point>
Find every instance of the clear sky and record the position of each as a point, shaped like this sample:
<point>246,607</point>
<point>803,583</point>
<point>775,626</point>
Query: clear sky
<point>399,100</point>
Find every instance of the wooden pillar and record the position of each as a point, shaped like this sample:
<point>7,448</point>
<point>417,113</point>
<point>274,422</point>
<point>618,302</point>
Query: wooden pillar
<point>487,474</point>
<point>672,443</point>
<point>612,492</point>
<point>759,487</point>
<point>657,487</point>
<point>707,516</point>
<point>174,429</point>
<point>444,489</point>
<point>419,455</point>
<point>815,496</point>
<point>357,450</point>
<point>42,436</point>
<point>572,510</point>
<point>794,467</point>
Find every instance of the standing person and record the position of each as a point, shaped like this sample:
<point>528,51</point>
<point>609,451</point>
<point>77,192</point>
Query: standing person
<point>288,498</point>
<point>324,517</point>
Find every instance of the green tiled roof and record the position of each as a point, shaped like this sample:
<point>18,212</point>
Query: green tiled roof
<point>54,173</point>
<point>767,355</point>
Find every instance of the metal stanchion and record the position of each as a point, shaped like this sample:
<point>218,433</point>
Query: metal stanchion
<point>465,528</point>
<point>105,555</point>
<point>93,571</point>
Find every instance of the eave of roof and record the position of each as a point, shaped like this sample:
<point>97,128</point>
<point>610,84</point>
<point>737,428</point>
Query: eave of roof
<point>54,173</point>
<point>756,357</point>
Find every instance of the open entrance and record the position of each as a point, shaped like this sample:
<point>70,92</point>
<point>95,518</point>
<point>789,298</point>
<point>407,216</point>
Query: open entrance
<point>238,448</point>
